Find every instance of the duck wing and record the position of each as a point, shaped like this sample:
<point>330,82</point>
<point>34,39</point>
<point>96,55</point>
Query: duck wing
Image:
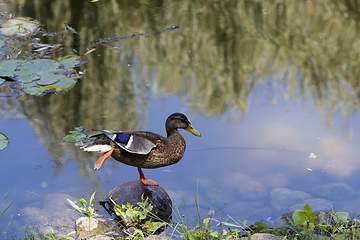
<point>133,142</point>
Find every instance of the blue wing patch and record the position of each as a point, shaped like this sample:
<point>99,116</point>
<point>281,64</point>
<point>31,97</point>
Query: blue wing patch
<point>123,138</point>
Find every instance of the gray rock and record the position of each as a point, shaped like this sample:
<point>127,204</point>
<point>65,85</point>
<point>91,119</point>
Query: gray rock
<point>316,204</point>
<point>334,190</point>
<point>88,227</point>
<point>264,236</point>
<point>282,198</point>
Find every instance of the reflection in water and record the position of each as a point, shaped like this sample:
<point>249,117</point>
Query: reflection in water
<point>276,67</point>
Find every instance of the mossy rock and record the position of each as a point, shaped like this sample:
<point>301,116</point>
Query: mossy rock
<point>131,192</point>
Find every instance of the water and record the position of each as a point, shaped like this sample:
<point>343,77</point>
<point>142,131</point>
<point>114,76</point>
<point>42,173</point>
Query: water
<point>262,108</point>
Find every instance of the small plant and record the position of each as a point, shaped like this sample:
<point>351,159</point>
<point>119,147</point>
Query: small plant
<point>305,218</point>
<point>34,232</point>
<point>2,213</point>
<point>202,228</point>
<point>135,216</point>
<point>304,224</point>
<point>87,210</point>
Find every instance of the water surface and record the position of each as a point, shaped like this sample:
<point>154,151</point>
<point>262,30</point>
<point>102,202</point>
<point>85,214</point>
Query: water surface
<point>266,84</point>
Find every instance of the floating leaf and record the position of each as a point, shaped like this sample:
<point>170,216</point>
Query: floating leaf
<point>44,71</point>
<point>41,75</point>
<point>43,184</point>
<point>33,89</point>
<point>312,155</point>
<point>64,84</point>
<point>23,26</point>
<point>4,141</point>
<point>75,136</point>
<point>8,68</point>
<point>71,61</point>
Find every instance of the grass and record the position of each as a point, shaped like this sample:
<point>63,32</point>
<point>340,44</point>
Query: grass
<point>302,224</point>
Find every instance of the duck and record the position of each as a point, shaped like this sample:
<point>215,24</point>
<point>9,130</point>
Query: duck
<point>143,149</point>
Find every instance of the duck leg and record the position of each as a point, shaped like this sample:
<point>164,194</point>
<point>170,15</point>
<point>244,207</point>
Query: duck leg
<point>102,159</point>
<point>146,181</point>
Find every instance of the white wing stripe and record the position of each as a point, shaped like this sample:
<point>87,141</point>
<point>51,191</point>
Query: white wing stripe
<point>129,142</point>
<point>97,148</point>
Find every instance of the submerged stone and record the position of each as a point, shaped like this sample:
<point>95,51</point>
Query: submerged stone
<point>88,227</point>
<point>282,198</point>
<point>131,192</point>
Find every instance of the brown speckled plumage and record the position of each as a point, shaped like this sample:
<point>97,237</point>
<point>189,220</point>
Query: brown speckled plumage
<point>167,151</point>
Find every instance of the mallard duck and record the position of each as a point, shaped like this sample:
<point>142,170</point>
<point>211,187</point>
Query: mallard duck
<point>143,149</point>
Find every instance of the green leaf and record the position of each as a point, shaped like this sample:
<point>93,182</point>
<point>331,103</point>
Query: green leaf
<point>296,216</point>
<point>83,202</point>
<point>312,217</point>
<point>4,141</point>
<point>64,84</point>
<point>7,68</point>
<point>303,215</point>
<point>343,216</point>
<point>33,89</point>
<point>74,137</point>
<point>261,225</point>
<point>92,198</point>
<point>22,26</point>
<point>71,61</point>
<point>307,209</point>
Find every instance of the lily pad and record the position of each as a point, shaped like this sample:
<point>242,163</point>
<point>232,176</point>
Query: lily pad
<point>79,135</point>
<point>33,89</point>
<point>75,136</point>
<point>41,75</point>
<point>43,71</point>
<point>23,26</point>
<point>62,85</point>
<point>4,141</point>
<point>71,61</point>
<point>8,68</point>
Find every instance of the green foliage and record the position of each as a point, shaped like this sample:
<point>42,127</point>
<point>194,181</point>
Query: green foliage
<point>135,216</point>
<point>34,232</point>
<point>20,26</point>
<point>4,141</point>
<point>202,228</point>
<point>305,217</point>
<point>87,210</point>
<point>2,213</point>
<point>41,75</point>
<point>79,134</point>
<point>304,224</point>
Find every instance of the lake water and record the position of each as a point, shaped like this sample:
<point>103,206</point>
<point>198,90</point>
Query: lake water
<point>265,84</point>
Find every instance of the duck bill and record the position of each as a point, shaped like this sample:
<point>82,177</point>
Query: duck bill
<point>193,130</point>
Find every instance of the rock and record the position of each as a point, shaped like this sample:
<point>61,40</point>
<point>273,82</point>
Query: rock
<point>55,209</point>
<point>88,227</point>
<point>316,204</point>
<point>282,198</point>
<point>249,188</point>
<point>264,236</point>
<point>334,190</point>
<point>131,192</point>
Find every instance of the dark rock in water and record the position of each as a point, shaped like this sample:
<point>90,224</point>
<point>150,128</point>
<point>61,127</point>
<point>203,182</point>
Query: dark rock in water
<point>130,192</point>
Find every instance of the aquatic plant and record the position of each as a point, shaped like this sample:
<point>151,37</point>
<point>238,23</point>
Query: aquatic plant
<point>135,216</point>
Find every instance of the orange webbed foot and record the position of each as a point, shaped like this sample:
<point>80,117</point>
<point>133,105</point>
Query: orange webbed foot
<point>148,182</point>
<point>102,159</point>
